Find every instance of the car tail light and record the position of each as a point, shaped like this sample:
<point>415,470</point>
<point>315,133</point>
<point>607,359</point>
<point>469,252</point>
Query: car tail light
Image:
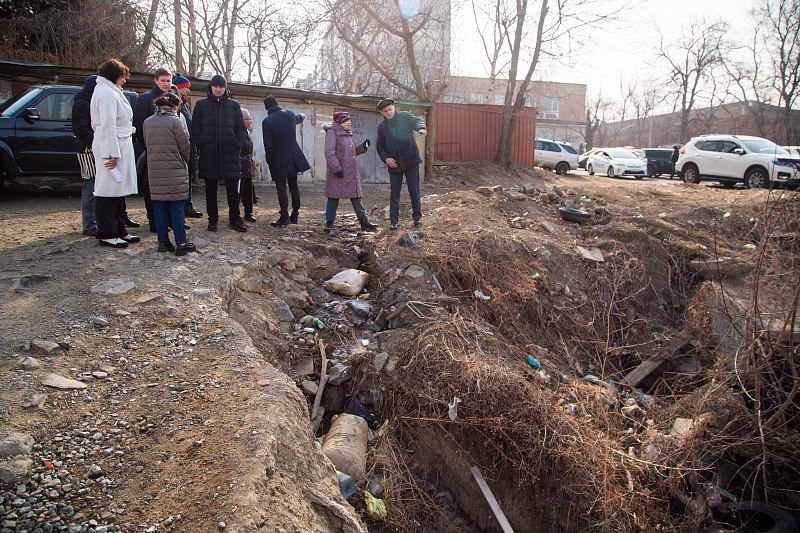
<point>683,150</point>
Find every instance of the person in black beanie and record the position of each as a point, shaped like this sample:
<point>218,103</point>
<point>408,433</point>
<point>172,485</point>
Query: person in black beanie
<point>284,156</point>
<point>219,132</point>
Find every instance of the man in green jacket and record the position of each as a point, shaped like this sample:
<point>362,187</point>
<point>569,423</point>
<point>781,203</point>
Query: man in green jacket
<point>397,147</point>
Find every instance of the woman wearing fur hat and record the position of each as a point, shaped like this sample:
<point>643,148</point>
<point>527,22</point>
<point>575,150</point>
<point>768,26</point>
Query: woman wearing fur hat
<point>342,179</point>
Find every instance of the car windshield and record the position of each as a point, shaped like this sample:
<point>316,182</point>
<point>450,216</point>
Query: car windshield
<point>763,146</point>
<point>17,102</point>
<point>569,149</point>
<point>621,154</point>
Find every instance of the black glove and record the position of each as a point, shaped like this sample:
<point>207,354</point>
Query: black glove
<point>339,174</point>
<point>365,144</point>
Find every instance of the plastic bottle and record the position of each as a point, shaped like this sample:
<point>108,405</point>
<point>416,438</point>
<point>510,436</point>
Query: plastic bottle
<point>318,323</point>
<point>347,486</point>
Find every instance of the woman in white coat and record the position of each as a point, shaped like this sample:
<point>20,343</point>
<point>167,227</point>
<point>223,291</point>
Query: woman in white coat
<point>112,122</point>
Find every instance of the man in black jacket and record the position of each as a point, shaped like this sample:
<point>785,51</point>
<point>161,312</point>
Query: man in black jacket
<point>397,148</point>
<point>82,128</point>
<point>145,106</point>
<point>219,133</point>
<point>284,156</point>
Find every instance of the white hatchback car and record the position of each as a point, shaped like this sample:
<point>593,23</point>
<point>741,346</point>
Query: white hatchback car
<point>555,155</point>
<point>616,162</point>
<point>731,159</point>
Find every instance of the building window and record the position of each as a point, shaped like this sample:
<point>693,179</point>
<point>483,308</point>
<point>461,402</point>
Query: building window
<point>530,101</point>
<point>453,99</point>
<point>499,99</point>
<point>549,108</point>
<point>544,133</point>
<point>476,98</point>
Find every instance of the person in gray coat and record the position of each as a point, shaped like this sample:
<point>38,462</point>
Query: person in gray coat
<point>168,151</point>
<point>342,179</point>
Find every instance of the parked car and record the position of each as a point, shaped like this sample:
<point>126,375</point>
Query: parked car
<point>658,161</point>
<point>616,162</point>
<point>794,150</point>
<point>731,159</point>
<point>555,155</point>
<point>584,157</point>
<point>37,146</point>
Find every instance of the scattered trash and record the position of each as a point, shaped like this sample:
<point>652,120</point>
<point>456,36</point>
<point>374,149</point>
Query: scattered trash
<point>573,409</point>
<point>574,215</point>
<point>534,362</point>
<point>318,323</point>
<point>347,487</point>
<point>376,508</point>
<point>480,295</point>
<point>452,410</point>
<point>349,282</point>
<point>309,330</point>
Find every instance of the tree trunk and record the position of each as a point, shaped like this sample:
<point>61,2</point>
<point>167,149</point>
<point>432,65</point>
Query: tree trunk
<point>430,142</point>
<point>180,66</point>
<point>148,36</point>
<point>194,53</point>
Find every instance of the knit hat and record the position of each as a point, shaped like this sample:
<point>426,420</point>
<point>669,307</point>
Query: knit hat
<point>218,80</point>
<point>169,99</point>
<point>270,101</point>
<point>340,117</point>
<point>383,103</point>
<point>90,83</point>
<point>180,81</point>
<point>245,113</point>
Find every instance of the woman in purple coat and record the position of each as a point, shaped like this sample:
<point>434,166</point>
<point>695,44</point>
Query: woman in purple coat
<point>342,179</point>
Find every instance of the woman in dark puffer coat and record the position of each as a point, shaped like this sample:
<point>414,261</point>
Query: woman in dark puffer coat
<point>167,158</point>
<point>342,179</point>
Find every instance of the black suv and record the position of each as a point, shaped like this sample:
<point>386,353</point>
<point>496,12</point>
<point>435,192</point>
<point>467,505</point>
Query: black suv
<point>659,161</point>
<point>37,146</point>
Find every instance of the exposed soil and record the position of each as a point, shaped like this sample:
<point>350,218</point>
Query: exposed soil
<point>196,418</point>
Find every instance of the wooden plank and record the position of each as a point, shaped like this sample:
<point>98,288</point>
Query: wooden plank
<point>323,378</point>
<point>644,369</point>
<point>492,501</point>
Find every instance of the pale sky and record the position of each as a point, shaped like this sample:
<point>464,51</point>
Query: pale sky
<point>624,49</point>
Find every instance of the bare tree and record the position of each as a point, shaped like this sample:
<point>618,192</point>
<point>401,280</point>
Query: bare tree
<point>597,114</point>
<point>149,31</point>
<point>404,47</point>
<point>692,62</point>
<point>780,20</point>
<point>750,82</point>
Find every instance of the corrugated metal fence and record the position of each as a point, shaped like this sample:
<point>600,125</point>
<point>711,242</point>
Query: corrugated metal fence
<point>468,132</point>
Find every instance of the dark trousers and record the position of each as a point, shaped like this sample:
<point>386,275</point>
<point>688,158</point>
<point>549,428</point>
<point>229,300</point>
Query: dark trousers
<point>333,206</point>
<point>144,186</point>
<point>232,191</point>
<point>169,215</point>
<point>283,196</point>
<point>246,193</point>
<point>110,211</point>
<point>396,184</point>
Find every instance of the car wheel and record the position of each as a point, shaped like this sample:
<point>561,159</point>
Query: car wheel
<point>638,176</point>
<point>562,168</point>
<point>590,169</point>
<point>690,174</point>
<point>756,178</point>
<point>610,171</point>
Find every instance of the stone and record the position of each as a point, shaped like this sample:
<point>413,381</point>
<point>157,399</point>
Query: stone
<point>94,471</point>
<point>361,308</point>
<point>29,363</point>
<point>592,254</point>
<point>99,321</point>
<point>309,388</point>
<point>14,471</point>
<point>380,360</point>
<point>250,284</point>
<point>203,293</point>
<point>549,228</point>
<point>338,374</point>
<point>113,287</point>
<point>408,241</point>
<point>391,364</point>
<point>558,191</point>
<point>44,347</point>
<point>149,297</point>
<point>16,444</point>
<point>37,401</point>
<point>515,196</point>
<point>305,367</point>
<point>60,382</point>
<point>417,275</point>
<point>284,312</point>
<point>719,268</point>
<point>99,374</point>
<point>518,222</point>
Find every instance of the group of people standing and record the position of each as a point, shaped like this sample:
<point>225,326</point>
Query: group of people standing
<point>172,142</point>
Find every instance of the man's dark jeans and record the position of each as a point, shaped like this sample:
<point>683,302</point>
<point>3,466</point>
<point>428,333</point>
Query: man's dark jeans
<point>412,183</point>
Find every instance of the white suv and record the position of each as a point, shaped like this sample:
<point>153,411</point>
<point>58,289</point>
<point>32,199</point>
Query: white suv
<point>732,159</point>
<point>555,155</point>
